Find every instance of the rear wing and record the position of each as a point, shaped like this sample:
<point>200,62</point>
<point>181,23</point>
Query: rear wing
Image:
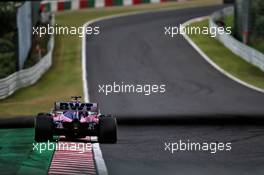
<point>70,106</point>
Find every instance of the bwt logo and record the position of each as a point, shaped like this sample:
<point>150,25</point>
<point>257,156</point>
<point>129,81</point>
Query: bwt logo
<point>75,106</point>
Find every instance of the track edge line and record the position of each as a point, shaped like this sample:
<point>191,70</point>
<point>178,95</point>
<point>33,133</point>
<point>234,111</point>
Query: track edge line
<point>190,41</point>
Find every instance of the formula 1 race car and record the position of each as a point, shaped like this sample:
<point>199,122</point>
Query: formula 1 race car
<point>75,120</point>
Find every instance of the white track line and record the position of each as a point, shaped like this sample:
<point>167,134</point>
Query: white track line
<point>99,161</point>
<point>98,157</point>
<point>84,73</point>
<point>188,39</point>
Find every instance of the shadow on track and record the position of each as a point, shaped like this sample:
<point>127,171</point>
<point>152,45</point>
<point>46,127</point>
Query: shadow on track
<point>223,119</point>
<point>17,122</point>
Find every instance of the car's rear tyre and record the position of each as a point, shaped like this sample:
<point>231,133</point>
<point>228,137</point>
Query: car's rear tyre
<point>107,130</point>
<point>43,127</point>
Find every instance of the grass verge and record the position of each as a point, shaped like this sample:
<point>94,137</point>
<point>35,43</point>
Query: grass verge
<point>17,155</point>
<point>64,78</point>
<point>228,61</point>
<point>258,44</point>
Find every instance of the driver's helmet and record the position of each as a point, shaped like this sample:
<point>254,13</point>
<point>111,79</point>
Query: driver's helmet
<point>70,114</point>
<point>92,113</point>
<point>83,113</point>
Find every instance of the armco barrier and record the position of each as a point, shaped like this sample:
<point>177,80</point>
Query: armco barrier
<point>247,53</point>
<point>26,77</point>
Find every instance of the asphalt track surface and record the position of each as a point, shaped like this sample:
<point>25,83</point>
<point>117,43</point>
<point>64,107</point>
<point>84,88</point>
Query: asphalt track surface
<point>134,50</point>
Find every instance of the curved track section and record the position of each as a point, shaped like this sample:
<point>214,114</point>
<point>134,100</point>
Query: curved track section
<point>134,49</point>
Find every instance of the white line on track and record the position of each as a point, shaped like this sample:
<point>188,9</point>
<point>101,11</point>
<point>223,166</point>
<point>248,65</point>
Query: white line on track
<point>188,39</point>
<point>98,157</point>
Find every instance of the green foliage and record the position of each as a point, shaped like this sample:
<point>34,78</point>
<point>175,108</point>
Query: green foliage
<point>7,17</point>
<point>6,46</point>
<point>229,22</point>
<point>34,56</point>
<point>7,32</point>
<point>258,17</point>
<point>8,64</point>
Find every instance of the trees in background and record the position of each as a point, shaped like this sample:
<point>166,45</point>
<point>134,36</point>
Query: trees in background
<point>7,17</point>
<point>249,20</point>
<point>257,12</point>
<point>8,32</point>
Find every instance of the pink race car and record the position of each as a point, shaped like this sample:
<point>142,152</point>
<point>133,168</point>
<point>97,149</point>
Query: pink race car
<point>75,120</point>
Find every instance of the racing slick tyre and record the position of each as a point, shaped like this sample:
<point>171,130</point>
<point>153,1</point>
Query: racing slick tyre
<point>43,127</point>
<point>107,130</point>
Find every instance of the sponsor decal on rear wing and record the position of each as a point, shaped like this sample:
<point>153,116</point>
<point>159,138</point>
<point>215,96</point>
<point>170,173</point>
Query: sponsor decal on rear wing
<point>65,106</point>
